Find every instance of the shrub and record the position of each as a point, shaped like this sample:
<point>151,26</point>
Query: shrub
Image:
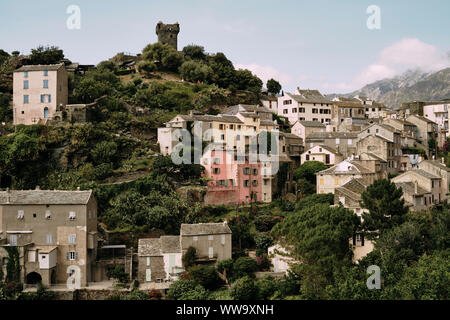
<point>244,289</point>
<point>118,273</point>
<point>186,290</point>
<point>146,67</point>
<point>262,241</point>
<point>266,287</point>
<point>244,266</point>
<point>206,276</point>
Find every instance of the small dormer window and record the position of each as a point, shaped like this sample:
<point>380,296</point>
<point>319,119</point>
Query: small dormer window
<point>20,214</point>
<point>72,215</point>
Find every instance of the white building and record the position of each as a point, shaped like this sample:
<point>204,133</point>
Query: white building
<point>309,105</point>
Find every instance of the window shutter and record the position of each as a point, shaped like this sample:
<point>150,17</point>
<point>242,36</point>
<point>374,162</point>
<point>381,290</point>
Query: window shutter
<point>49,98</point>
<point>67,255</point>
<point>42,98</point>
<point>354,239</point>
<point>362,239</point>
<point>76,255</point>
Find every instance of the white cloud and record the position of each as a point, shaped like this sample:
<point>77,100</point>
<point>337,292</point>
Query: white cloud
<point>267,72</point>
<point>408,53</point>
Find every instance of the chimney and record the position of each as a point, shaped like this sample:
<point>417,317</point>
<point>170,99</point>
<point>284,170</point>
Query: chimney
<point>416,187</point>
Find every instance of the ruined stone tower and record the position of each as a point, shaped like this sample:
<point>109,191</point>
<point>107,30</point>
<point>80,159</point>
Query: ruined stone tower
<point>168,33</point>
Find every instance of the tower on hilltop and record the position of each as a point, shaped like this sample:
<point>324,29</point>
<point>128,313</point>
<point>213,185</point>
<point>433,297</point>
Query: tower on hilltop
<point>168,33</point>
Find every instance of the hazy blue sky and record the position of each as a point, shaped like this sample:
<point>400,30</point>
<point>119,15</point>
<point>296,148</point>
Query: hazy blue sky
<point>312,44</point>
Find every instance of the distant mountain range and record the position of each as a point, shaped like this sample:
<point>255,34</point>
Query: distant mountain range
<point>411,85</point>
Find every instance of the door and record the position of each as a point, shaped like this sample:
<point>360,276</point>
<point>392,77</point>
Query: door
<point>148,275</point>
<point>46,113</point>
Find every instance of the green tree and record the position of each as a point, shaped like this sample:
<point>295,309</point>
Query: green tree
<point>46,55</point>
<point>326,198</point>
<point>104,152</point>
<point>146,68</point>
<point>263,241</point>
<point>266,287</point>
<point>194,52</point>
<point>244,266</point>
<point>273,86</point>
<point>245,80</point>
<point>194,71</point>
<point>308,170</point>
<point>385,204</point>
<point>318,236</point>
<point>244,289</point>
<point>189,257</point>
<point>206,276</point>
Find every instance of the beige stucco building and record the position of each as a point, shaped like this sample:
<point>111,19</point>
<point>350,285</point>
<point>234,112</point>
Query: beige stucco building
<point>324,154</point>
<point>37,91</point>
<point>53,230</point>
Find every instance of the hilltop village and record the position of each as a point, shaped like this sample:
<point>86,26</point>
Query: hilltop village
<point>93,205</point>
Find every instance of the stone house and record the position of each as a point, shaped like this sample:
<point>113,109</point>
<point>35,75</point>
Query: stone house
<point>304,128</point>
<point>426,130</point>
<point>416,198</point>
<point>37,91</point>
<point>324,154</point>
<point>349,196</point>
<point>429,182</point>
<point>53,230</point>
<point>338,175</point>
<point>343,142</point>
<point>439,169</point>
<point>160,259</point>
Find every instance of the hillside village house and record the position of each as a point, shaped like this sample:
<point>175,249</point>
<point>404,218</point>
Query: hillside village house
<point>343,142</point>
<point>37,91</point>
<point>324,154</point>
<point>438,113</point>
<point>270,102</point>
<point>53,230</point>
<point>438,168</point>
<point>160,259</point>
<point>338,175</point>
<point>427,181</point>
<point>426,129</point>
<point>309,105</point>
<point>304,128</point>
<point>349,196</point>
<point>348,114</point>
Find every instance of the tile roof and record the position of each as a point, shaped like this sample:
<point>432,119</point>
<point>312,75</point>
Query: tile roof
<point>204,229</point>
<point>170,244</point>
<point>210,118</point>
<point>40,67</point>
<point>420,118</point>
<point>44,197</point>
<point>309,96</point>
<point>311,124</point>
<point>149,247</point>
<point>409,188</point>
<point>438,164</point>
<point>332,135</point>
<point>346,167</point>
<point>425,174</point>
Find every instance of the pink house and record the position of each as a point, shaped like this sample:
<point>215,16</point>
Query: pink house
<point>232,181</point>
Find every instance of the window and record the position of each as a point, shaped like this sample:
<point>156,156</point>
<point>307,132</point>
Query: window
<point>216,170</point>
<point>13,240</point>
<point>210,238</point>
<point>349,141</point>
<point>72,255</point>
<point>222,239</point>
<point>49,239</point>
<point>72,215</point>
<point>195,238</point>
<point>48,215</point>
<point>148,261</point>
<point>314,110</point>
<point>307,157</point>
<point>211,252</point>
<point>285,111</point>
<point>46,98</point>
<point>72,238</point>
<point>338,141</point>
<point>26,99</point>
<point>45,84</point>
<point>301,110</point>
<point>45,73</point>
<point>20,214</point>
<point>238,137</point>
<point>246,170</point>
<point>255,172</point>
<point>255,182</point>
<point>25,84</point>
<point>246,183</point>
<point>25,74</point>
<point>294,110</point>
